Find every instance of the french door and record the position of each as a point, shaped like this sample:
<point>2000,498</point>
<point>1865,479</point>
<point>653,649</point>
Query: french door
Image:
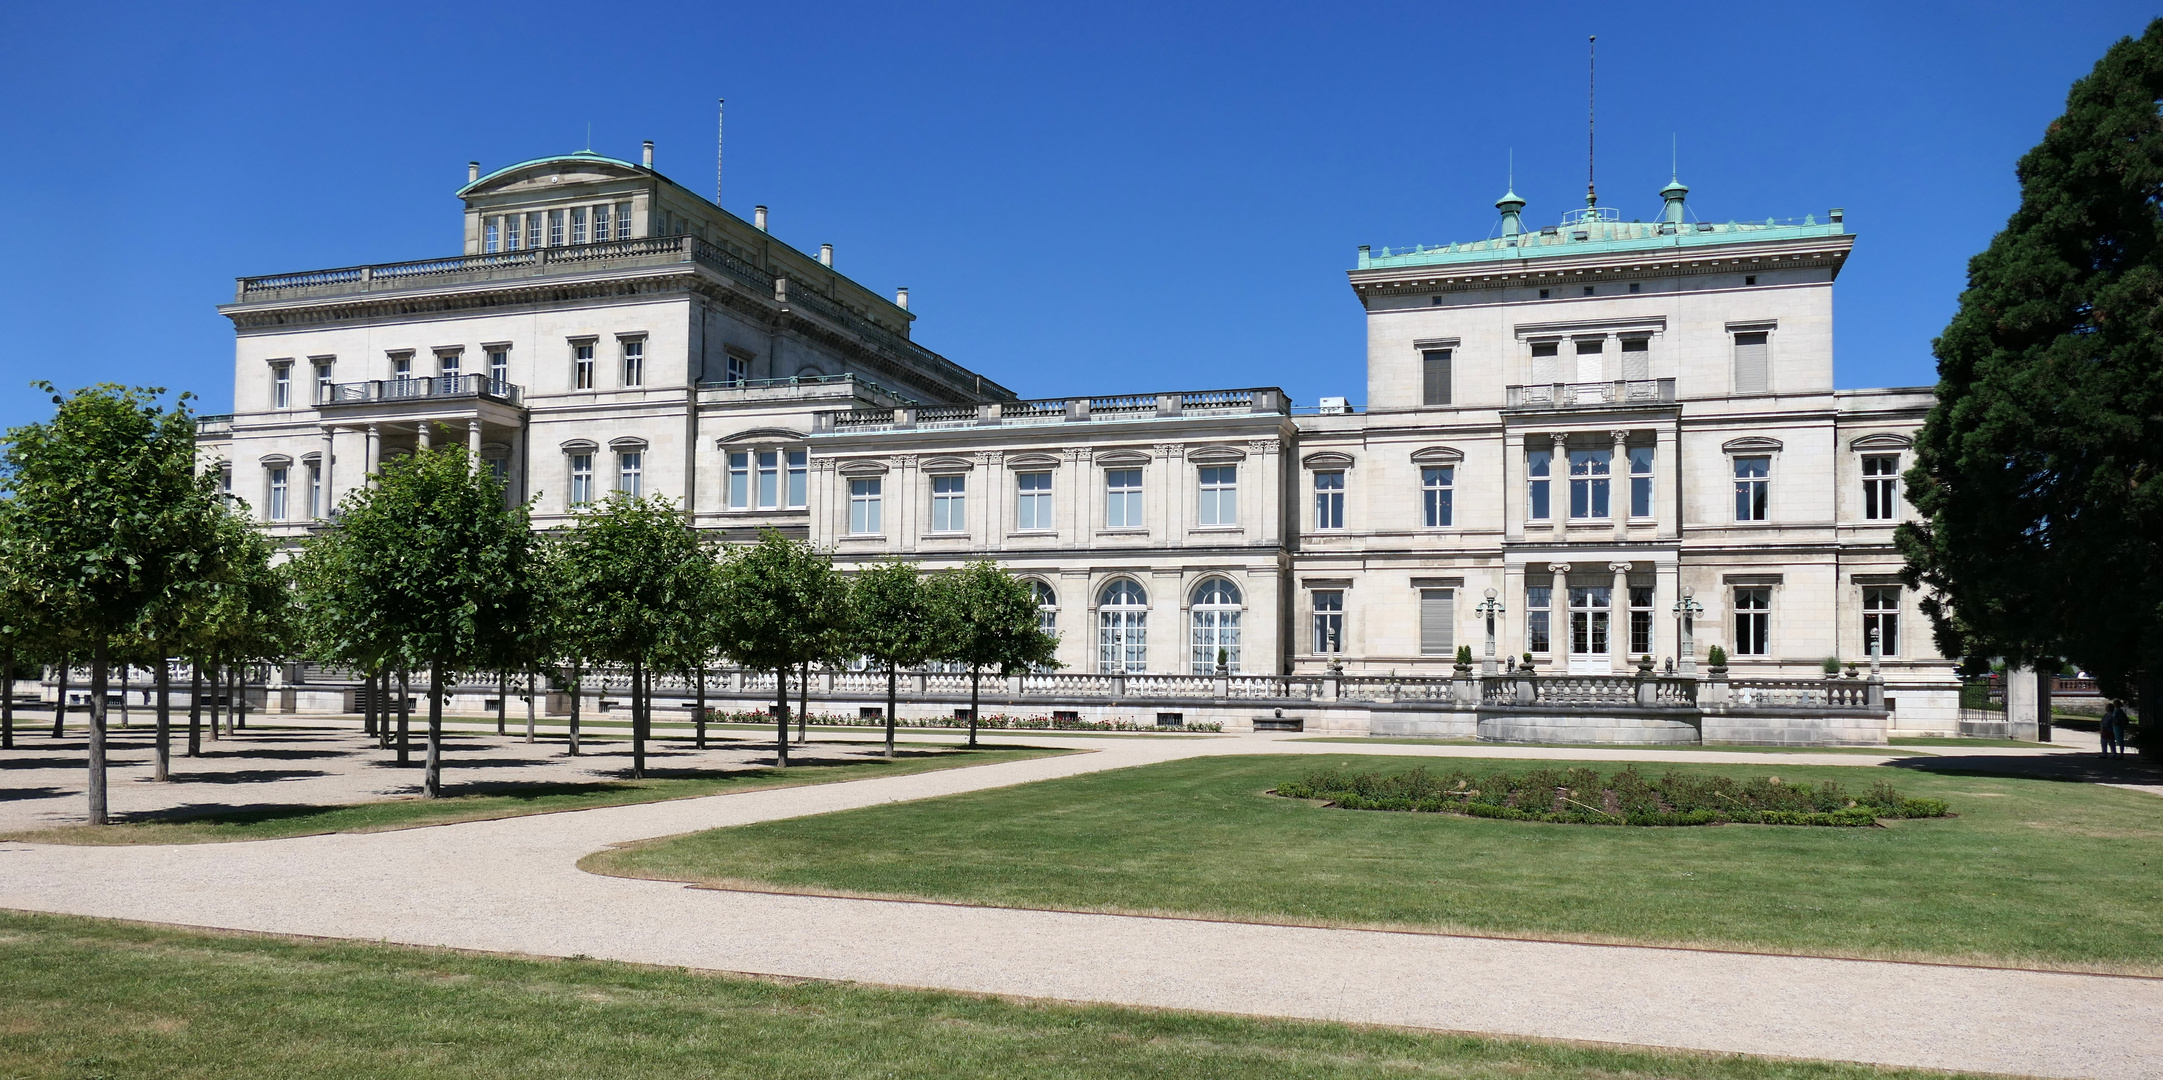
<point>1590,609</point>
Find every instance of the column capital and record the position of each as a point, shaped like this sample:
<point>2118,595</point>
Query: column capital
<point>1619,567</point>
<point>1620,436</point>
<point>1559,437</point>
<point>1558,567</point>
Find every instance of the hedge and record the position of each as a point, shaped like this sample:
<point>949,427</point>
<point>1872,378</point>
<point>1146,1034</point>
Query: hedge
<point>1584,797</point>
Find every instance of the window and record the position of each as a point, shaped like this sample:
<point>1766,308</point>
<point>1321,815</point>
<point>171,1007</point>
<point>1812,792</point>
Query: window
<point>1032,500</point>
<point>492,234</point>
<point>1122,628</point>
<point>1753,363</point>
<point>1640,620</point>
<point>1220,495</point>
<point>1435,376</point>
<point>1881,612</point>
<point>864,505</point>
<point>402,365</point>
<point>581,479</point>
<point>578,224</point>
<point>555,228</point>
<point>582,365</point>
<point>499,470</point>
<point>1437,484</point>
<point>1546,362</point>
<point>1592,360</point>
<point>600,222</point>
<point>281,386</point>
<point>1881,487</point>
<point>799,467</point>
<point>1641,481</point>
<point>1753,621</point>
<point>1216,626</point>
<point>533,230</point>
<point>739,481</point>
<point>629,466</point>
<point>1753,488</point>
<point>949,503</point>
<point>1636,358</point>
<point>1539,605</point>
<point>499,368</point>
<point>1047,608</point>
<point>1437,622</point>
<point>1537,466</point>
<point>447,364</point>
<point>1588,483</point>
<point>315,489</point>
<point>634,362</point>
<point>324,387</point>
<point>274,507</point>
<point>1636,287</point>
<point>769,478</point>
<point>1749,279</point>
<point>1329,499</point>
<point>623,221</point>
<point>1123,498</point>
<point>739,371</point>
<point>1328,637</point>
<point>1589,620</point>
<point>1543,294</point>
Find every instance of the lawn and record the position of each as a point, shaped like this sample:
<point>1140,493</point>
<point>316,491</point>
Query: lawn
<point>1747,749</point>
<point>503,801</point>
<point>88,1000</point>
<point>2029,872</point>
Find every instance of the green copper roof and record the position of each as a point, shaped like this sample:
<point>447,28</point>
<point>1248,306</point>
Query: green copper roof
<point>1599,237</point>
<point>583,157</point>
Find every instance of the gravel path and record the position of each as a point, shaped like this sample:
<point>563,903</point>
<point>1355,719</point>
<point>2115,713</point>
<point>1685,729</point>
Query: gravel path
<point>511,886</point>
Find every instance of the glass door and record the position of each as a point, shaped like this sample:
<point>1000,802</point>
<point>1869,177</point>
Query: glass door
<point>1589,610</point>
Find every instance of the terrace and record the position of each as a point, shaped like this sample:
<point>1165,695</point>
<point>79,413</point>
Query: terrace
<point>1602,236</point>
<point>1265,401</point>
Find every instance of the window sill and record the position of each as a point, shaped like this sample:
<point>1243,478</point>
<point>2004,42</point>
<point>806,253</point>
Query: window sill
<point>863,536</point>
<point>1024,533</point>
<point>767,510</point>
<point>948,534</point>
<point>1123,532</point>
<point>1217,529</point>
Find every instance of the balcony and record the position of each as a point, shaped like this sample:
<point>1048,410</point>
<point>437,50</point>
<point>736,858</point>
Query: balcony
<point>1267,401</point>
<point>1621,393</point>
<point>432,389</point>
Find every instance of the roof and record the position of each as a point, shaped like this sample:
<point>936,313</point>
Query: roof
<point>585,157</point>
<point>1599,237</point>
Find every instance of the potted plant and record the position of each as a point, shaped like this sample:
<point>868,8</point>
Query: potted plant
<point>1716,662</point>
<point>1464,661</point>
<point>1644,666</point>
<point>1832,667</point>
<point>1526,665</point>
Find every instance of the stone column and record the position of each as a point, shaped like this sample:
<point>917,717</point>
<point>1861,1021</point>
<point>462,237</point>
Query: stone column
<point>1513,488</point>
<point>1618,616</point>
<point>1558,618</point>
<point>325,473</point>
<point>373,458</point>
<point>1667,483</point>
<point>1558,487</point>
<point>473,444</point>
<point>423,435</point>
<point>1618,486</point>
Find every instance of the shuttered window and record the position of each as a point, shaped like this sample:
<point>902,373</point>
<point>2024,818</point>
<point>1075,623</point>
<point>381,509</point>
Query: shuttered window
<point>1435,376</point>
<point>1753,364</point>
<point>1546,365</point>
<point>1636,358</point>
<point>1437,622</point>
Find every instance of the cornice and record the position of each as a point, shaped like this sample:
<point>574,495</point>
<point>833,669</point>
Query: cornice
<point>1828,253</point>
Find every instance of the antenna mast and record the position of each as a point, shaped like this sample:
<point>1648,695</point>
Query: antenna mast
<point>1592,198</point>
<point>719,121</point>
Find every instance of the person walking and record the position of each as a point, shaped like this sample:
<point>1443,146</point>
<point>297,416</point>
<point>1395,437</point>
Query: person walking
<point>2112,728</point>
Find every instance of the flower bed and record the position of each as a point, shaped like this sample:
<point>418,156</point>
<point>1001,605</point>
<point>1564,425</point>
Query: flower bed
<point>1584,797</point>
<point>994,722</point>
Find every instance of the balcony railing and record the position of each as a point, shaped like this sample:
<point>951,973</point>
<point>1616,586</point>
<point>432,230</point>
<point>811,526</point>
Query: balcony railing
<point>214,424</point>
<point>1589,394</point>
<point>799,381</point>
<point>1254,402</point>
<point>432,387</point>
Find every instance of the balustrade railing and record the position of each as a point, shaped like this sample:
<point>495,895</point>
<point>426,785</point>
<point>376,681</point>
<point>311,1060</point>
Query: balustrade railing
<point>433,386</point>
<point>1566,395</point>
<point>1799,693</point>
<point>1058,410</point>
<point>1171,686</point>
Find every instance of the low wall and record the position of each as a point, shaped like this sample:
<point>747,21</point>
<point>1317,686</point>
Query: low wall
<point>1617,726</point>
<point>1794,727</point>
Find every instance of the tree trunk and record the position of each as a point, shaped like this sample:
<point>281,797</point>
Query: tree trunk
<point>803,704</point>
<point>2149,687</point>
<point>503,698</point>
<point>97,732</point>
<point>125,716</point>
<point>638,719</point>
<point>7,700</point>
<point>578,691</point>
<point>195,708</point>
<point>976,678</point>
<point>892,677</point>
<point>368,705</point>
<point>405,718</point>
<point>162,763</point>
<point>781,716</point>
<point>533,689</point>
<point>60,707</point>
<point>432,777</point>
<point>240,696</point>
<point>698,708</point>
<point>217,695</point>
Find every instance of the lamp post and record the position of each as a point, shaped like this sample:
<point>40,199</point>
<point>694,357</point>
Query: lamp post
<point>1688,609</point>
<point>1874,647</point>
<point>1489,607</point>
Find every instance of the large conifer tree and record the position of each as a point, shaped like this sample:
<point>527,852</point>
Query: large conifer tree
<point>2039,473</point>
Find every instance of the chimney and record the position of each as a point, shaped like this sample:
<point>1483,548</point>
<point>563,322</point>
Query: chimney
<point>1511,206</point>
<point>1838,215</point>
<point>826,254</point>
<point>901,298</point>
<point>645,156</point>
<point>758,218</point>
<point>473,171</point>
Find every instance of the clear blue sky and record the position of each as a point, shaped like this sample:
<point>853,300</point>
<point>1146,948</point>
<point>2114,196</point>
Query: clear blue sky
<point>1097,198</point>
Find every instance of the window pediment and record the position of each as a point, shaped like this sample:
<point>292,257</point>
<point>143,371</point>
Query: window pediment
<point>863,467</point>
<point>1216,455</point>
<point>272,461</point>
<point>1121,457</point>
<point>764,434</point>
<point>627,443</point>
<point>580,446</point>
<point>947,465</point>
<point>1438,455</point>
<point>1883,440</point>
<point>1032,461</point>
<point>1328,459</point>
<point>1750,443</point>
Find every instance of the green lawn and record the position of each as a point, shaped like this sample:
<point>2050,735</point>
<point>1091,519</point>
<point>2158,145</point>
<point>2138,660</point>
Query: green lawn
<point>505,800</point>
<point>1749,749</point>
<point>1951,740</point>
<point>91,1000</point>
<point>2029,871</point>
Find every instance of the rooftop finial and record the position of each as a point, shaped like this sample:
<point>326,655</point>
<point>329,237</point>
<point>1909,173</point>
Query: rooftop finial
<point>1592,198</point>
<point>1509,203</point>
<point>719,119</point>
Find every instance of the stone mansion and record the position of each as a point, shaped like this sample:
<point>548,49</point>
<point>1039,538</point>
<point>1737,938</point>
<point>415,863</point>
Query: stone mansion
<point>1586,429</point>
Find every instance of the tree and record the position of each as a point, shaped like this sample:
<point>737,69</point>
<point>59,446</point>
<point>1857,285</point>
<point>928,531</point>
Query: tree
<point>633,586</point>
<point>222,596</point>
<point>440,575</point>
<point>985,617</point>
<point>2039,473</point>
<point>99,511</point>
<point>892,624</point>
<point>779,604</point>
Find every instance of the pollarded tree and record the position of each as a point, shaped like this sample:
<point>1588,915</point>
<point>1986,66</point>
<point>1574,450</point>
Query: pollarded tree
<point>2039,473</point>
<point>98,509</point>
<point>633,587</point>
<point>893,624</point>
<point>779,604</point>
<point>985,617</point>
<point>441,568</point>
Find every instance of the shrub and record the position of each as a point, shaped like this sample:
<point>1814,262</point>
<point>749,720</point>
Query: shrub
<point>1716,657</point>
<point>1582,796</point>
<point>1464,654</point>
<point>1831,665</point>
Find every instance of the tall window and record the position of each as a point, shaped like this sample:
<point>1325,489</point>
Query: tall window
<point>1220,495</point>
<point>769,479</point>
<point>582,366</point>
<point>533,230</point>
<point>1881,612</point>
<point>323,383</point>
<point>600,222</point>
<point>949,503</point>
<point>1435,377</point>
<point>1047,608</point>
<point>1589,609</point>
<point>1539,607</point>
<point>1640,480</point>
<point>864,505</point>
<point>1881,487</point>
<point>499,368</point>
<point>798,463</point>
<point>1216,626</point>
<point>1437,622</point>
<point>739,371</point>
<point>492,235</point>
<point>1753,622</point>
<point>555,228</point>
<point>1640,620</point>
<point>447,364</point>
<point>1592,360</point>
<point>1329,499</point>
<point>630,466</point>
<point>1438,488</point>
<point>1546,360</point>
<point>513,233</point>
<point>1753,488</point>
<point>739,481</point>
<point>281,386</point>
<point>581,479</point>
<point>1588,483</point>
<point>1123,498</point>
<point>402,365</point>
<point>1328,637</point>
<point>315,489</point>
<point>623,221</point>
<point>1122,628</point>
<point>1032,501</point>
<point>1753,363</point>
<point>634,362</point>
<point>1537,465</point>
<point>578,224</point>
<point>1636,358</point>
<point>274,507</point>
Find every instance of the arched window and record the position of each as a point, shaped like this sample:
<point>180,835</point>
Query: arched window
<point>1122,628</point>
<point>1216,626</point>
<point>1047,608</point>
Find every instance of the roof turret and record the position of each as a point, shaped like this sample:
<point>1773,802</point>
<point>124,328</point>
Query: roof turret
<point>1511,206</point>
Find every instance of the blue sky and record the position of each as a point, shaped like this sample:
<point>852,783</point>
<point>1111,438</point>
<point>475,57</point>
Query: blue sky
<point>1094,198</point>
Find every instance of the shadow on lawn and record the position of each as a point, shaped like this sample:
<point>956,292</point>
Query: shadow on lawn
<point>247,776</point>
<point>2067,768</point>
<point>19,793</point>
